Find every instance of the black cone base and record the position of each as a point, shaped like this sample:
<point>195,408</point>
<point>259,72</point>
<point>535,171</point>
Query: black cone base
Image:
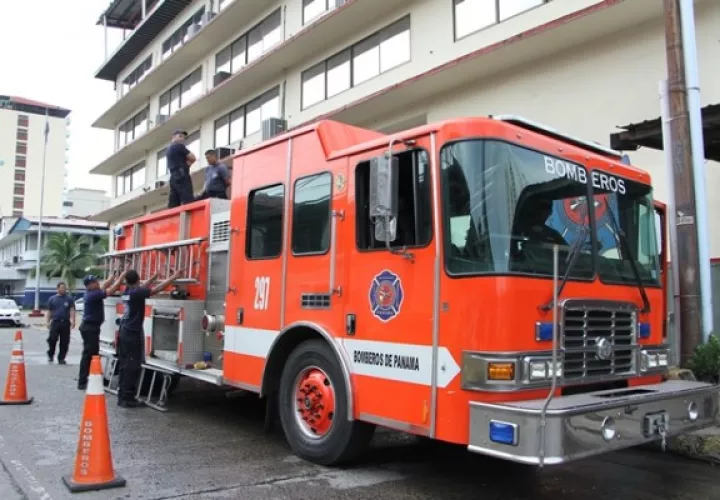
<point>9,403</point>
<point>74,487</point>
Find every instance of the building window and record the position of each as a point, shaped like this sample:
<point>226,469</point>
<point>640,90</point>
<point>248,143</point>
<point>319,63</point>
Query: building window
<point>19,189</point>
<point>247,120</point>
<point>22,134</point>
<point>19,176</point>
<point>23,120</point>
<point>21,161</point>
<point>68,203</point>
<point>381,52</point>
<point>162,169</point>
<point>21,148</point>
<point>133,128</point>
<point>311,214</point>
<point>131,179</point>
<point>265,221</point>
<point>182,34</point>
<point>18,203</point>
<point>414,221</point>
<point>250,45</point>
<point>137,75</point>
<point>17,213</point>
<point>182,94</point>
<point>474,15</point>
<point>312,9</point>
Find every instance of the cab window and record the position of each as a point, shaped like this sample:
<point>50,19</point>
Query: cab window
<point>414,223</point>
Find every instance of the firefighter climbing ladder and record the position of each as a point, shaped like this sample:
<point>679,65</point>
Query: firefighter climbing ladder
<point>158,259</point>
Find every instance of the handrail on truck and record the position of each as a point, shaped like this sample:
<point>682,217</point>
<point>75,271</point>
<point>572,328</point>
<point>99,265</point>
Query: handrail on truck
<point>553,384</point>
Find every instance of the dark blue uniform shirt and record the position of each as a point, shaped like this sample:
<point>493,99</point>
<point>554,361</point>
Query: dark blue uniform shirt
<point>94,312</point>
<point>176,155</point>
<point>59,306</point>
<point>134,300</point>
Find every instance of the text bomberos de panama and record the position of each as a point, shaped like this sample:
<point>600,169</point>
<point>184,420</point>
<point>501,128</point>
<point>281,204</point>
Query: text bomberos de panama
<point>397,361</point>
<point>577,173</point>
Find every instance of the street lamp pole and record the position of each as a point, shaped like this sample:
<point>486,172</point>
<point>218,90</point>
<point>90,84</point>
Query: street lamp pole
<point>36,310</point>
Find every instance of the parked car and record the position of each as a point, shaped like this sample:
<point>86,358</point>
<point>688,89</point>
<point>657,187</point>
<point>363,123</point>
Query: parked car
<point>10,313</point>
<point>80,305</point>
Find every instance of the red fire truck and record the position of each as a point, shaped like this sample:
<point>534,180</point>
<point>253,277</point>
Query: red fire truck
<point>484,281</point>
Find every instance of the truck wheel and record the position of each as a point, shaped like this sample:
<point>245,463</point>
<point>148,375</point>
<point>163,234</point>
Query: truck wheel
<point>313,407</point>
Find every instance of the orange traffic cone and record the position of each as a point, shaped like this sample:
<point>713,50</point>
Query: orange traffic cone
<point>93,461</point>
<point>16,386</point>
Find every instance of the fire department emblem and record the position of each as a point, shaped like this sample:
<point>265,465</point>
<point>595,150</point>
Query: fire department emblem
<point>386,296</point>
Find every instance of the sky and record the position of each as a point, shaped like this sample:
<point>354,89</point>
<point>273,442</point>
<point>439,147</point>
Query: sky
<point>50,51</point>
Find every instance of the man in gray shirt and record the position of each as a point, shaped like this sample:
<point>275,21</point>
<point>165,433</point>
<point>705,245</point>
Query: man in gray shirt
<point>217,178</point>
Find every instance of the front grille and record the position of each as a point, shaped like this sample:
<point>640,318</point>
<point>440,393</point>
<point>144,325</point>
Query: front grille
<point>598,339</point>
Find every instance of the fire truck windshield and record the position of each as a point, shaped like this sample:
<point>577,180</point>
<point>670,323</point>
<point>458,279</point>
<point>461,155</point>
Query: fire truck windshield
<point>505,206</point>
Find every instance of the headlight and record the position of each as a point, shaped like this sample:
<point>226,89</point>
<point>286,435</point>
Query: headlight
<point>482,371</point>
<point>541,369</point>
<point>654,359</point>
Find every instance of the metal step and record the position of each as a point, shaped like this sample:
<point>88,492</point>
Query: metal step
<point>165,379</point>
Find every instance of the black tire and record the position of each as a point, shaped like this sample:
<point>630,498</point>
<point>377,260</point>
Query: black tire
<point>345,439</point>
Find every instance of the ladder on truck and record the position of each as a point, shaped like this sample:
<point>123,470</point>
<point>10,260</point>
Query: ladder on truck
<point>161,259</point>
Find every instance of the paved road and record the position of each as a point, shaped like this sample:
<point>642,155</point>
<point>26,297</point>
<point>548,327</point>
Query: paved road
<point>211,447</point>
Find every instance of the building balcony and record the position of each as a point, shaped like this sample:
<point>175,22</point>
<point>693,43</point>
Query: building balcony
<point>210,36</point>
<point>156,20</point>
<point>329,30</point>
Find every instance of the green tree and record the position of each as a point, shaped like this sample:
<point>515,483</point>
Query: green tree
<point>70,257</point>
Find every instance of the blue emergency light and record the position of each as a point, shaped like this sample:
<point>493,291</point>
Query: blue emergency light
<point>644,330</point>
<point>543,332</point>
<point>503,433</point>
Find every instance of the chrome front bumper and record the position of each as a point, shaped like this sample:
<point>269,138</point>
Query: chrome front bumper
<point>588,424</point>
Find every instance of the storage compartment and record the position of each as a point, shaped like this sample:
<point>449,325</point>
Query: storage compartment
<point>166,334</point>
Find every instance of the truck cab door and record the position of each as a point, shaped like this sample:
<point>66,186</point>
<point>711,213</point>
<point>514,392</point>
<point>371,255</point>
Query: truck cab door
<point>661,228</point>
<point>389,294</point>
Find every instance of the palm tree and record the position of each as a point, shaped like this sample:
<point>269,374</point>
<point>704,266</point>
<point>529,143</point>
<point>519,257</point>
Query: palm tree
<point>70,257</point>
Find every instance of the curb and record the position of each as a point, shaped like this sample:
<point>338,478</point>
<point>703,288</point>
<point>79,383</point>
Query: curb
<point>700,445</point>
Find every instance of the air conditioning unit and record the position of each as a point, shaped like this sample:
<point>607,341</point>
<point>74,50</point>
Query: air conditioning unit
<point>272,127</point>
<point>220,77</point>
<point>194,29</point>
<point>160,119</point>
<point>207,17</point>
<point>224,152</point>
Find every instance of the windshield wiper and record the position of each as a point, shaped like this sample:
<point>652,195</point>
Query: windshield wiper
<point>570,263</point>
<point>627,251</point>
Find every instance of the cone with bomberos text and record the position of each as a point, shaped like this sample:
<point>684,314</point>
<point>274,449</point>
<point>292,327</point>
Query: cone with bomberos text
<point>16,386</point>
<point>93,459</point>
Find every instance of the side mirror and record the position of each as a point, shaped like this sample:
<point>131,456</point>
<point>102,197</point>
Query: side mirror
<point>384,196</point>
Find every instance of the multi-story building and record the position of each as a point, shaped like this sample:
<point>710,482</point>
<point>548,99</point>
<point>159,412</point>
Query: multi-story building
<point>83,202</point>
<point>19,253</point>
<point>22,138</point>
<point>231,72</point>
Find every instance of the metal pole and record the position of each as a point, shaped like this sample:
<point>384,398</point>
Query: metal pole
<point>106,36</point>
<point>692,85</point>
<point>687,255</point>
<point>674,332</point>
<point>144,9</point>
<point>42,198</point>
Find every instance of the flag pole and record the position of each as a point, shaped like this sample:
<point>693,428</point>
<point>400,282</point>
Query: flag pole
<point>36,309</point>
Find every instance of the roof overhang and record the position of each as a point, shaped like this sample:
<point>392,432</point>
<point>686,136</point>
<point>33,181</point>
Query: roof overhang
<point>648,134</point>
<point>124,14</point>
<point>156,20</point>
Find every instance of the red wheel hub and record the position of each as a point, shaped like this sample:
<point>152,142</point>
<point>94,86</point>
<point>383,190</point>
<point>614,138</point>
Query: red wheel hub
<point>315,401</point>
